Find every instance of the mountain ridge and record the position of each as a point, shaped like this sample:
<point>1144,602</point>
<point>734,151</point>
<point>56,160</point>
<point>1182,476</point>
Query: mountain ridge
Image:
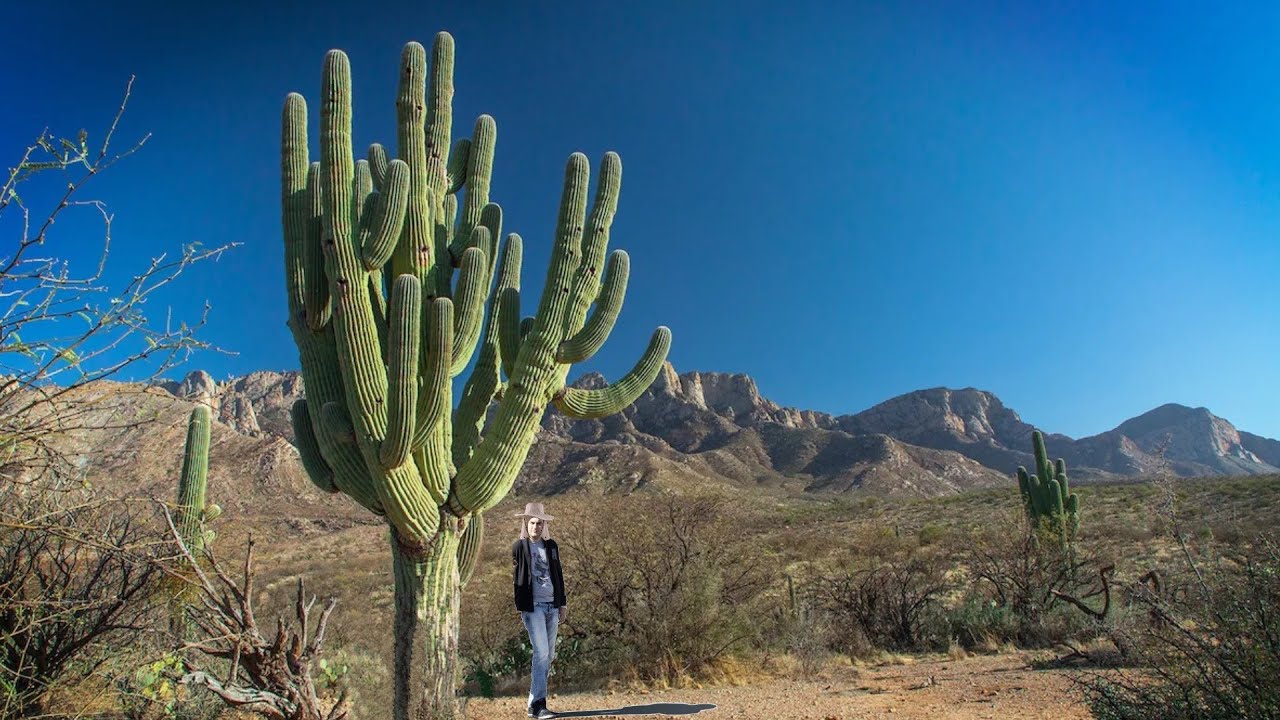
<point>719,427</point>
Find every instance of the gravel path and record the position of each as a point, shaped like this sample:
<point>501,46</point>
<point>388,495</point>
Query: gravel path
<point>997,686</point>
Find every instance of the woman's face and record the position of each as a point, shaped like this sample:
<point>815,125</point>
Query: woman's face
<point>535,527</point>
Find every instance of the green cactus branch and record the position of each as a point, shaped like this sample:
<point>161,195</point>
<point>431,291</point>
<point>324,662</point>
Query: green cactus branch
<point>599,402</point>
<point>587,341</point>
<point>309,448</point>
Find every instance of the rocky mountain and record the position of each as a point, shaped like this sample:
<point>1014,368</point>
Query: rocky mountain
<point>721,425</point>
<point>1190,441</point>
<point>1265,449</point>
<point>971,422</point>
<point>255,404</point>
<point>716,428</point>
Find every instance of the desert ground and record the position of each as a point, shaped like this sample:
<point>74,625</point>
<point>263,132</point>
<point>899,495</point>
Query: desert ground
<point>972,688</point>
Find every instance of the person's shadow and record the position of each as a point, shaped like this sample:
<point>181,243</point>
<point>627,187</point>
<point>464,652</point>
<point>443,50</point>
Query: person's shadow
<point>652,709</point>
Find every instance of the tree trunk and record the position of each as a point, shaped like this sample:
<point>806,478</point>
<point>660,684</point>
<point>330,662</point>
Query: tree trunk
<point>426,629</point>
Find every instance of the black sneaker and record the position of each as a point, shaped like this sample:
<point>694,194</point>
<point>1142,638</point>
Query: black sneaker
<point>544,713</point>
<point>532,710</point>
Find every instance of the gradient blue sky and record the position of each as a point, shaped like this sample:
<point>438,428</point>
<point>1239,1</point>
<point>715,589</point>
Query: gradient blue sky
<point>1075,206</point>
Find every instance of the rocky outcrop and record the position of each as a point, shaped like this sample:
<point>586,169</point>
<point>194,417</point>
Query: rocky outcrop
<point>197,387</point>
<point>254,405</point>
<point>971,422</point>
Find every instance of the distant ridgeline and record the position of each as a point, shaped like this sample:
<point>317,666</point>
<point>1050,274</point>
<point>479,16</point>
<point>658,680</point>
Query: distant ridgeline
<point>716,428</point>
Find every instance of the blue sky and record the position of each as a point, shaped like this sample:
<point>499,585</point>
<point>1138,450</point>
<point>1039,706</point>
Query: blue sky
<point>1075,206</point>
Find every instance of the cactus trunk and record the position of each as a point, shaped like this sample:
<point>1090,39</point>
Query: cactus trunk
<point>427,595</point>
<point>383,323</point>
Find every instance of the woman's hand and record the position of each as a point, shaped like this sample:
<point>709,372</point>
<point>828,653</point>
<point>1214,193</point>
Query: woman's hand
<point>564,612</point>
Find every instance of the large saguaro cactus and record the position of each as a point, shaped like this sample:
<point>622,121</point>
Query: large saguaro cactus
<point>1047,495</point>
<point>392,284</point>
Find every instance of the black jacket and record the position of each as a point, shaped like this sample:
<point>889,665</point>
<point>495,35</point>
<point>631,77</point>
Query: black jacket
<point>523,578</point>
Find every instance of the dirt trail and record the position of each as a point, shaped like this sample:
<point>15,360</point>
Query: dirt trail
<point>998,686</point>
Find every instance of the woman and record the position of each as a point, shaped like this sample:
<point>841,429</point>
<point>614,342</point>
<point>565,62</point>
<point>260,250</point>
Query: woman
<point>539,593</point>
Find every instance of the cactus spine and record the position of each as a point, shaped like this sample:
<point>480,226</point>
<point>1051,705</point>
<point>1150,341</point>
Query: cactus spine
<point>391,287</point>
<point>1047,495</point>
<point>193,511</point>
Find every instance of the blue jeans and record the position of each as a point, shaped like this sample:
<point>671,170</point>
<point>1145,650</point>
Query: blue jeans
<point>542,624</point>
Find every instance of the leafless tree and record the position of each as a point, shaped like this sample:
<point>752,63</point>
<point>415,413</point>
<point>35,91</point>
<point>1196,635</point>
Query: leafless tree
<point>1026,570</point>
<point>883,591</point>
<point>62,326</point>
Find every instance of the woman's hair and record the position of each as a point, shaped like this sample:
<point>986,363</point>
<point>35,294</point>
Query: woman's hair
<point>524,529</point>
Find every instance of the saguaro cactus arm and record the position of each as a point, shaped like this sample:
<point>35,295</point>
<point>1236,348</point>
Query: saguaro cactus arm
<point>483,385</point>
<point>402,361</point>
<point>478,169</point>
<point>469,547</point>
<point>309,448</point>
<point>587,341</point>
<point>596,403</point>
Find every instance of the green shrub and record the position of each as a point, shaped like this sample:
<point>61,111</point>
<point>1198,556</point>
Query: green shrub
<point>980,623</point>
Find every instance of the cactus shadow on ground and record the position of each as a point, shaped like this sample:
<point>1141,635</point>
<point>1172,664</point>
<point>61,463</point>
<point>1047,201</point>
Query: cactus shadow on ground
<point>651,709</point>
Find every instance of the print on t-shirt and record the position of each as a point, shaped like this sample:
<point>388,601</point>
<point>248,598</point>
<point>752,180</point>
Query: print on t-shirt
<point>542,591</point>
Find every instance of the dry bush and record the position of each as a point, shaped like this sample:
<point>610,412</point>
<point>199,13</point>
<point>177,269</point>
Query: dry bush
<point>1019,574</point>
<point>271,673</point>
<point>78,578</point>
<point>801,629</point>
<point>1206,641</point>
<point>884,593</point>
<point>661,587</point>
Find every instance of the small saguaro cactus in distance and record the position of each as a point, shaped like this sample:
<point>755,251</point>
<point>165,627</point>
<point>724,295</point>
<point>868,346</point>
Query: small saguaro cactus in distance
<point>193,510</point>
<point>1046,495</point>
<point>393,282</point>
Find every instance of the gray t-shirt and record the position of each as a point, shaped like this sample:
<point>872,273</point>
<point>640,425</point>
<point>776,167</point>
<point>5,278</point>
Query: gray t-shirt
<point>542,589</point>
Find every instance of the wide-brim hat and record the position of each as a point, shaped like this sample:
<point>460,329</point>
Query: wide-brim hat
<point>535,510</point>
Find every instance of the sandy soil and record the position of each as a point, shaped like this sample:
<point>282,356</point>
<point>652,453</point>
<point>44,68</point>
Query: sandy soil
<point>996,686</point>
